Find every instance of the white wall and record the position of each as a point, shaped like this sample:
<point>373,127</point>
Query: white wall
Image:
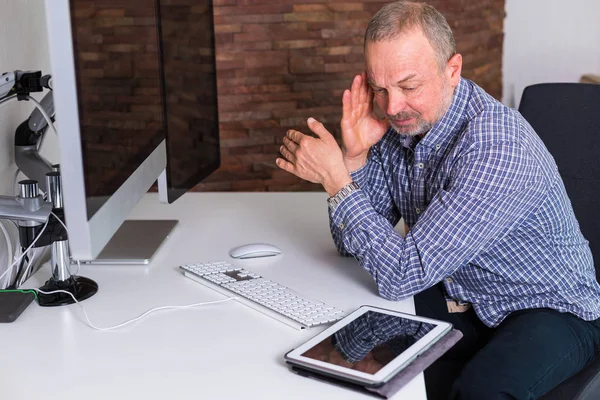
<point>23,46</point>
<point>549,41</point>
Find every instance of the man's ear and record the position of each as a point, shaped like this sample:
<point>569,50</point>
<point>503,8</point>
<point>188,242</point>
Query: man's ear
<point>454,69</point>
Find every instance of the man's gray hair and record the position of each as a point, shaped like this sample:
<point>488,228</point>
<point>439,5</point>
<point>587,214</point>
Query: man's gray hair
<point>399,17</point>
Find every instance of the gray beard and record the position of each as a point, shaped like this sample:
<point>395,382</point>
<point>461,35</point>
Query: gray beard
<point>418,128</point>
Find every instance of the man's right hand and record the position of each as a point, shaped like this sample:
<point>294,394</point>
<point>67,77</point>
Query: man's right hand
<point>361,129</point>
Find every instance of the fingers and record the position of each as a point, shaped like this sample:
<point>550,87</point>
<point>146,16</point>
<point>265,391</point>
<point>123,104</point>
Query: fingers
<point>306,156</point>
<point>346,104</point>
<point>355,89</point>
<point>285,165</point>
<point>294,135</point>
<point>288,150</point>
<point>319,129</point>
<point>364,88</point>
<point>290,144</point>
<point>358,99</point>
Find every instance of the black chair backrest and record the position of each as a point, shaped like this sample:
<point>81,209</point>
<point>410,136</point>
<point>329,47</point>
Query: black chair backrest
<point>566,116</point>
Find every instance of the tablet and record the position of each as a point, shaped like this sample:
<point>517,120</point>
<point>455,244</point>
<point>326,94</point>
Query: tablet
<point>369,346</point>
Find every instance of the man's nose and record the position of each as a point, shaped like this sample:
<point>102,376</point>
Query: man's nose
<point>396,103</point>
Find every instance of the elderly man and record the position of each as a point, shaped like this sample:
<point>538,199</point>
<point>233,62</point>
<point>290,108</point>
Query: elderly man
<point>492,245</point>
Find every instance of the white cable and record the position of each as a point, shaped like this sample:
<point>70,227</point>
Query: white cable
<point>18,260</point>
<point>30,263</point>
<point>78,268</point>
<point>8,247</point>
<point>44,114</point>
<point>131,320</point>
<point>18,247</point>
<point>8,99</point>
<point>136,318</point>
<point>83,309</point>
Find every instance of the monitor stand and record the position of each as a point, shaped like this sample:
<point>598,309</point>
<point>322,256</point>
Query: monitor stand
<point>135,242</point>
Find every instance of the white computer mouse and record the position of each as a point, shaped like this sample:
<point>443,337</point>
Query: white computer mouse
<point>254,250</point>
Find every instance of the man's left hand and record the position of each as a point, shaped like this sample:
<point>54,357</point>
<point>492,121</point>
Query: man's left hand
<point>317,160</point>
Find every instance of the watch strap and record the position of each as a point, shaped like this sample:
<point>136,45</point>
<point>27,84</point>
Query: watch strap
<point>344,192</point>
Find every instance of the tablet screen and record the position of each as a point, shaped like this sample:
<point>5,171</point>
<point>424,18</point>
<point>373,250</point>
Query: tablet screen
<point>370,342</point>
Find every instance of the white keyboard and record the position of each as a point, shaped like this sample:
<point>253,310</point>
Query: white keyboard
<point>266,296</point>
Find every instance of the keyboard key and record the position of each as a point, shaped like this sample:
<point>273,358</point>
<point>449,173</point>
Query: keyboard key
<point>262,294</point>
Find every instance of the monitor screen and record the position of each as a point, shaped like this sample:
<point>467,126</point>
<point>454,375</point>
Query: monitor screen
<point>119,91</point>
<point>188,55</point>
<point>134,84</point>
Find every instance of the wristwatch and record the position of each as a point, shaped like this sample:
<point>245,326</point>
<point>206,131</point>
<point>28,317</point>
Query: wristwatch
<point>342,194</point>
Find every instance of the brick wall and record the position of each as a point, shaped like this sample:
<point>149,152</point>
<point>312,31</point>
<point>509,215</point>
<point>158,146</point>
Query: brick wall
<point>116,47</point>
<point>280,62</point>
<point>124,89</point>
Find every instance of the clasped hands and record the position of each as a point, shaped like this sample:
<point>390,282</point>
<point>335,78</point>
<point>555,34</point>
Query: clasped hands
<point>319,159</point>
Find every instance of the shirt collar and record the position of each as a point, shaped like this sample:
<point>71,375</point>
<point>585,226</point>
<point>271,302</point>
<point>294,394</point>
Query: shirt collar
<point>410,141</point>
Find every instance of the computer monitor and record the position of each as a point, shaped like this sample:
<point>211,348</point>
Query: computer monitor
<point>135,97</point>
<point>189,65</point>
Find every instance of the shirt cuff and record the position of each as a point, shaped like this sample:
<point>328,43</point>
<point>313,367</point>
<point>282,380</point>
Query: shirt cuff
<point>352,210</point>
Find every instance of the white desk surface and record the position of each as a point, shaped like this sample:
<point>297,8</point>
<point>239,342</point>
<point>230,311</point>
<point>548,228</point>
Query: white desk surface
<point>221,351</point>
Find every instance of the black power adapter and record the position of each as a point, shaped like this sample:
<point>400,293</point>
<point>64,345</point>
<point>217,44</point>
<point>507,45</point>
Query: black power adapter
<point>13,303</point>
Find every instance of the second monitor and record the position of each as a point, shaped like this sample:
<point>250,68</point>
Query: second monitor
<point>136,98</point>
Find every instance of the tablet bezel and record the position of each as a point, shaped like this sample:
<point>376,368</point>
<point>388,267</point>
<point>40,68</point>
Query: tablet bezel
<point>382,376</point>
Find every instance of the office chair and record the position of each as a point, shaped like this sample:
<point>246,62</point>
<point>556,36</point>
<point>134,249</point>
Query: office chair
<point>566,116</point>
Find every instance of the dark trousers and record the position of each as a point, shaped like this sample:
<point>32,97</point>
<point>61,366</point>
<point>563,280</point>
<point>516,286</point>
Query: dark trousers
<point>527,355</point>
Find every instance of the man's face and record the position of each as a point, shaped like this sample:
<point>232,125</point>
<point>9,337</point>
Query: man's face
<point>408,83</point>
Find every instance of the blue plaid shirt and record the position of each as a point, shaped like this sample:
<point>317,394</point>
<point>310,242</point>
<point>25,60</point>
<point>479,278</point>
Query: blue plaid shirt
<point>487,211</point>
<point>361,336</point>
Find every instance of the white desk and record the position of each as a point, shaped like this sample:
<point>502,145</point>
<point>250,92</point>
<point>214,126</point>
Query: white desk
<point>221,351</point>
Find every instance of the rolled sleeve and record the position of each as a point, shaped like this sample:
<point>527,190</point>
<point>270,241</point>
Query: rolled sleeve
<point>373,200</point>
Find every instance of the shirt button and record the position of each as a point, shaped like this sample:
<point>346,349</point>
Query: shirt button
<point>418,210</point>
<point>449,280</point>
<point>342,225</point>
<point>420,165</point>
<point>438,146</point>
